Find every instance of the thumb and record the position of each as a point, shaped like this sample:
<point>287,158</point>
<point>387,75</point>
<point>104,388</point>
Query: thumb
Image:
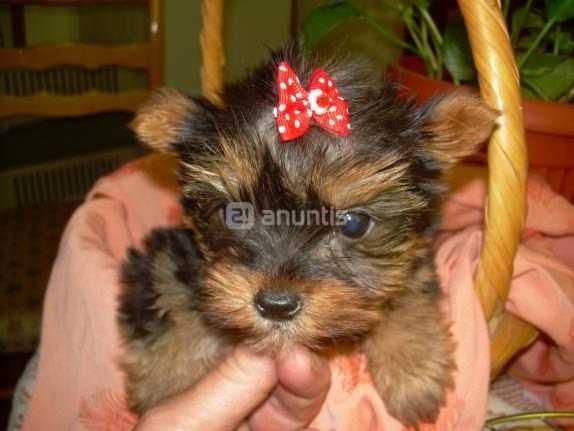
<point>219,401</point>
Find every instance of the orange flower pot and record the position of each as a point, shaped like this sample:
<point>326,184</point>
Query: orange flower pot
<point>549,125</point>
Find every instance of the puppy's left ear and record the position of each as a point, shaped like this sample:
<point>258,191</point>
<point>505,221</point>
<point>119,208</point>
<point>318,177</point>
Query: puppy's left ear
<point>171,119</point>
<point>457,124</point>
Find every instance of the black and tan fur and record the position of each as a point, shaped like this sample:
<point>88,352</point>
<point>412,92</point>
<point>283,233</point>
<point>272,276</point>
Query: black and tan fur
<point>189,294</point>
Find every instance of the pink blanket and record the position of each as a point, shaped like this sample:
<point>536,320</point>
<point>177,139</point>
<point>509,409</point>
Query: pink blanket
<point>79,385</point>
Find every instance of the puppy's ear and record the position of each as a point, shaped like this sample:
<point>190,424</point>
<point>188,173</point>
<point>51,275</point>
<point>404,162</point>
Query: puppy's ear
<point>457,124</point>
<point>170,119</point>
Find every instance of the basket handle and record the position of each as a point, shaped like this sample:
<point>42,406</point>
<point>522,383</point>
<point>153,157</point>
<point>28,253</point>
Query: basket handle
<point>505,208</point>
<point>212,52</point>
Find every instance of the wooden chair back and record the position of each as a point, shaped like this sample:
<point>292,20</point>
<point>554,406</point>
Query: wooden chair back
<point>146,55</point>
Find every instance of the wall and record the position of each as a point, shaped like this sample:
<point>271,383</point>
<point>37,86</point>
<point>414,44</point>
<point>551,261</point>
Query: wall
<point>182,58</point>
<point>251,26</point>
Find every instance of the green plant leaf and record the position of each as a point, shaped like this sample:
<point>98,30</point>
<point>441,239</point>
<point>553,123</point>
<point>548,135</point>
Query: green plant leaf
<point>560,10</point>
<point>524,19</point>
<point>540,64</point>
<point>324,19</point>
<point>401,4</point>
<point>392,5</point>
<point>528,93</point>
<point>525,41</point>
<point>550,75</point>
<point>423,4</point>
<point>408,12</point>
<point>457,51</point>
<point>565,42</point>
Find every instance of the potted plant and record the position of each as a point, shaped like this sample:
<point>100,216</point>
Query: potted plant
<point>438,58</point>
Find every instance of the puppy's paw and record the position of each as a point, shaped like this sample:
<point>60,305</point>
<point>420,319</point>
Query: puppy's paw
<point>416,396</point>
<point>162,275</point>
<point>411,361</point>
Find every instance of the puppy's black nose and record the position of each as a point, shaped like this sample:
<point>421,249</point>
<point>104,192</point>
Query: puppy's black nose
<point>278,305</point>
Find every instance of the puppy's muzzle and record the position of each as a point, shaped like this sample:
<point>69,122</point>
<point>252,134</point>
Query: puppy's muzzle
<point>278,304</point>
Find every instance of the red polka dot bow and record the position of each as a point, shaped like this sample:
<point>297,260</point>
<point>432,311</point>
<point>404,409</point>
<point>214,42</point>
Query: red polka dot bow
<point>298,108</point>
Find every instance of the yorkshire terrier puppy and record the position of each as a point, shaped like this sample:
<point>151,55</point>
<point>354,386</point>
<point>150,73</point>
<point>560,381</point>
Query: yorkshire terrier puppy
<point>304,138</point>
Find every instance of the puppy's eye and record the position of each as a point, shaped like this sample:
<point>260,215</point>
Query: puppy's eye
<point>355,225</point>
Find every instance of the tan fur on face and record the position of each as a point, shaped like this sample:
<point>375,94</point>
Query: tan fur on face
<point>331,309</point>
<point>394,278</point>
<point>344,184</point>
<point>460,123</point>
<point>230,291</point>
<point>160,121</point>
<point>335,310</point>
<point>233,170</point>
<point>241,167</point>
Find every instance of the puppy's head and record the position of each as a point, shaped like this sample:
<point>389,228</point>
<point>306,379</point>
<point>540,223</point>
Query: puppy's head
<point>306,241</point>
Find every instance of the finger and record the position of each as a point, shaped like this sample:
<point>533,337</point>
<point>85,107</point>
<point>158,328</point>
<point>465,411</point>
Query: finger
<point>304,380</point>
<point>219,401</point>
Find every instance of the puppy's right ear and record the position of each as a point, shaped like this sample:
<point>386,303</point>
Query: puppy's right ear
<point>457,124</point>
<point>170,119</point>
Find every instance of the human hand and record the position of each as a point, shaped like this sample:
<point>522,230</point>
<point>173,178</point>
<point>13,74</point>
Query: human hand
<point>249,392</point>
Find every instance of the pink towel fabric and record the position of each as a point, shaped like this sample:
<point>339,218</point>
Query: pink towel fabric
<point>80,387</point>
